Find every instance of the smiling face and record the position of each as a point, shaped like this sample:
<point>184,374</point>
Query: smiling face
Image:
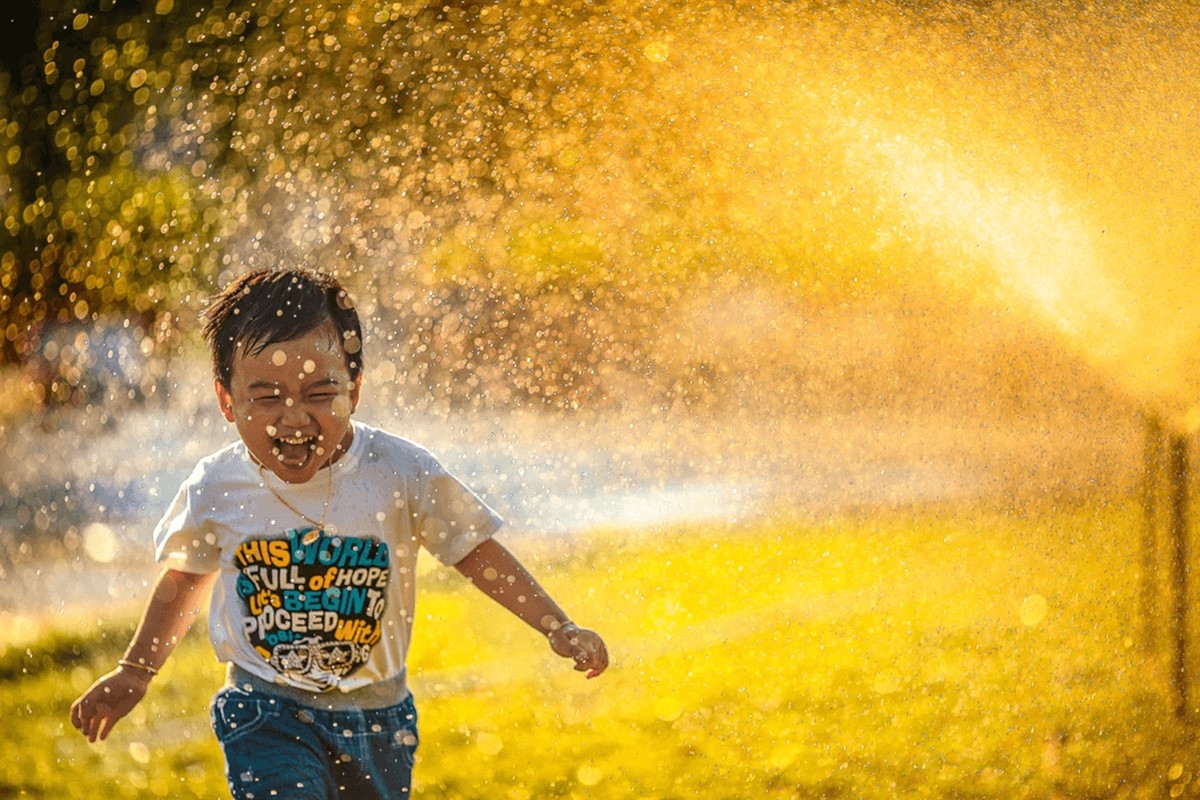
<point>291,403</point>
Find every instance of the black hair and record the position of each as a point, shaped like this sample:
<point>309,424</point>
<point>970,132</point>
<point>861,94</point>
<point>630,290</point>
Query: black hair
<point>273,305</point>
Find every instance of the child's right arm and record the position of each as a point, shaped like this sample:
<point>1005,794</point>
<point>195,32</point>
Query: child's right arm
<point>169,614</point>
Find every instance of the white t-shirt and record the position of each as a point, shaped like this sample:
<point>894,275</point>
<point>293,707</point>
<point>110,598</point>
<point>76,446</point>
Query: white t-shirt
<point>334,610</point>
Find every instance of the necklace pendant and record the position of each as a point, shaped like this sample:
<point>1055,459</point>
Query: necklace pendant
<point>310,536</point>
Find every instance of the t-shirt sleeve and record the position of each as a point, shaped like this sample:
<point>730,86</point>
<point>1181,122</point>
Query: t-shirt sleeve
<point>182,539</point>
<point>452,520</point>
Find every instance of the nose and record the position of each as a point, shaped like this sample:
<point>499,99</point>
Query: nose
<point>294,416</point>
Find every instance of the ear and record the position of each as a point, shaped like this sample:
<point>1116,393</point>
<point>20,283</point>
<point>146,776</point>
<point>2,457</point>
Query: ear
<point>224,400</point>
<point>355,390</point>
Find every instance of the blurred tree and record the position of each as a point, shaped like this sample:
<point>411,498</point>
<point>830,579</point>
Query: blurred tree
<point>20,21</point>
<point>554,176</point>
<point>97,227</point>
<point>151,144</point>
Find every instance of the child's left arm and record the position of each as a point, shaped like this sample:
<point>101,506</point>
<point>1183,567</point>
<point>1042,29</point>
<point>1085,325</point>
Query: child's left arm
<point>500,576</point>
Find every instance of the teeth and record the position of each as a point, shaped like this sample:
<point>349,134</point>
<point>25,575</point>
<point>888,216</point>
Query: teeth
<point>294,440</point>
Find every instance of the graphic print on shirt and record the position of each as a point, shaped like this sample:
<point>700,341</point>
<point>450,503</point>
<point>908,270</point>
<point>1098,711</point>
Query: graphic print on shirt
<point>313,608</point>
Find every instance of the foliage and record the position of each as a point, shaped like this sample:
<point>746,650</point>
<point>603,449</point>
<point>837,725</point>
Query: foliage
<point>153,148</point>
<point>598,163</point>
<point>914,655</point>
<point>104,211</point>
<point>148,146</point>
<point>58,649</point>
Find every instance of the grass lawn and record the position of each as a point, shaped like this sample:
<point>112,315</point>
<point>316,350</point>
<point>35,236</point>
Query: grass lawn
<point>902,655</point>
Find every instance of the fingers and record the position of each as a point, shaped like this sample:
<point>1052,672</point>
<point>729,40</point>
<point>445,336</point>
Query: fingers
<point>77,714</point>
<point>83,717</point>
<point>101,707</point>
<point>590,655</point>
<point>584,646</point>
<point>92,719</point>
<point>100,723</point>
<point>106,725</point>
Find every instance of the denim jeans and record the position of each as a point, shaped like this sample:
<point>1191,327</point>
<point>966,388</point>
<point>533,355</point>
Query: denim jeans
<point>278,748</point>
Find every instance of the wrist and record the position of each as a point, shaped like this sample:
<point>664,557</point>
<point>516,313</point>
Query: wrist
<point>564,636</point>
<point>555,626</point>
<point>143,671</point>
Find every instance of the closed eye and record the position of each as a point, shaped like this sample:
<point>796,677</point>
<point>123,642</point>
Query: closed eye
<point>322,391</point>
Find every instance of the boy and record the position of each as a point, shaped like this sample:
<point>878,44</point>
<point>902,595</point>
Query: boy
<point>307,531</point>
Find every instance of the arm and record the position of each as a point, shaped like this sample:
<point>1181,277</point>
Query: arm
<point>169,614</point>
<point>500,576</point>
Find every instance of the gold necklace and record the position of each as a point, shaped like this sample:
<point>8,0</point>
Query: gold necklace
<point>315,533</point>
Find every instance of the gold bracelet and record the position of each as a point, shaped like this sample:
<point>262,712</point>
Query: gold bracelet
<point>560,626</point>
<point>124,662</point>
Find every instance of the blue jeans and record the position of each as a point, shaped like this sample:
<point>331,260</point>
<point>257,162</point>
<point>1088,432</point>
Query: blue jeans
<point>278,748</point>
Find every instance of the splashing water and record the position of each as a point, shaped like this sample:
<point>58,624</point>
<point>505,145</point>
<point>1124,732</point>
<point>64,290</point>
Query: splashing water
<point>1039,157</point>
<point>673,207</point>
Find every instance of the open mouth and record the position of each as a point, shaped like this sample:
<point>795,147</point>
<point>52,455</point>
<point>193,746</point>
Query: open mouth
<point>295,451</point>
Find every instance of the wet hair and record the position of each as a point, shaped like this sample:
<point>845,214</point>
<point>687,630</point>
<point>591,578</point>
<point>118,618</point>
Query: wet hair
<point>274,305</point>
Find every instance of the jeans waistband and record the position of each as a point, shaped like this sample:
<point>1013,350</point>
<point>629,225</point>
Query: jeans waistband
<point>382,694</point>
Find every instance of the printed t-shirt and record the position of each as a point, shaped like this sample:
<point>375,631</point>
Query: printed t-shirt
<point>318,610</point>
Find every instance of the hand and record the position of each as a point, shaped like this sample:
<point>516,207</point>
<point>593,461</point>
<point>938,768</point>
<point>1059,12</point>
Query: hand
<point>586,647</point>
<point>110,698</point>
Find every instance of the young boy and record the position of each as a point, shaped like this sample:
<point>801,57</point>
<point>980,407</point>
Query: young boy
<point>307,531</point>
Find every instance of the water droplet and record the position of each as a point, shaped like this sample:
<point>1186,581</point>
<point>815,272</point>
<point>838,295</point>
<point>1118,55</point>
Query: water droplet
<point>1033,610</point>
<point>669,708</point>
<point>99,542</point>
<point>489,743</point>
<point>887,681</point>
<point>139,752</point>
<point>589,775</point>
<point>491,15</point>
<point>657,52</point>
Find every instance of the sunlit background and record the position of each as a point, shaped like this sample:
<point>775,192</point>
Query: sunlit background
<point>624,265</point>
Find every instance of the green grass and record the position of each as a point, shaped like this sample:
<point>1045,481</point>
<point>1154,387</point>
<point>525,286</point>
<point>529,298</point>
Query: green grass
<point>903,655</point>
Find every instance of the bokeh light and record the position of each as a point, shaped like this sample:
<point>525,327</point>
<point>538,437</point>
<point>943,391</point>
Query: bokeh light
<point>632,266</point>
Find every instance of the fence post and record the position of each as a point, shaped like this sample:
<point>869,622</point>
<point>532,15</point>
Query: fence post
<point>1151,585</point>
<point>1178,474</point>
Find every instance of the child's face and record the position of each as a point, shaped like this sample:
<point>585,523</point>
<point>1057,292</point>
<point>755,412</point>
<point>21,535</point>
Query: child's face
<point>291,403</point>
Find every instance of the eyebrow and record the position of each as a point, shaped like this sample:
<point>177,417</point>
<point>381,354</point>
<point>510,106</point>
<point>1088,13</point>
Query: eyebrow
<point>307,387</point>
